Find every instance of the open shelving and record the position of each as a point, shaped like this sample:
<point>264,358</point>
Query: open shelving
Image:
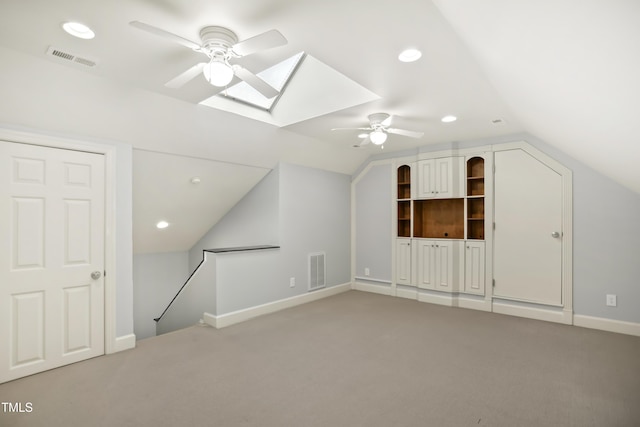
<point>475,198</point>
<point>404,201</point>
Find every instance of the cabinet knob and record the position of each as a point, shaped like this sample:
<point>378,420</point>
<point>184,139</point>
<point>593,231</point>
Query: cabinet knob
<point>555,234</point>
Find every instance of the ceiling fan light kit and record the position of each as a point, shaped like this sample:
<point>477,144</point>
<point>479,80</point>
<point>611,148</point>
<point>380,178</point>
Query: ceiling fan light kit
<point>218,73</point>
<point>378,137</point>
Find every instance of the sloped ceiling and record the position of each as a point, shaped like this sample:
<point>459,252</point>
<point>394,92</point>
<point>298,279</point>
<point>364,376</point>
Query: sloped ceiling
<point>565,71</point>
<point>569,70</point>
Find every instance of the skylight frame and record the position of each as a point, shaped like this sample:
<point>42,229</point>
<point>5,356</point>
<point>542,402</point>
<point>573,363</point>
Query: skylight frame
<point>225,94</point>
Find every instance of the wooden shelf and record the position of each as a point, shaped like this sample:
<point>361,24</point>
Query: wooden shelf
<point>404,201</point>
<point>475,198</point>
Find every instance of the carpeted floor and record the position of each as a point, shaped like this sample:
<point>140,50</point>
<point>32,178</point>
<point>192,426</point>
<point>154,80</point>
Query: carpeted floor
<point>355,359</point>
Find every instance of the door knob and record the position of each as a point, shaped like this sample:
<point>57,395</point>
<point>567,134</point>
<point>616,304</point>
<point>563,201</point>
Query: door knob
<point>555,234</point>
<point>96,275</point>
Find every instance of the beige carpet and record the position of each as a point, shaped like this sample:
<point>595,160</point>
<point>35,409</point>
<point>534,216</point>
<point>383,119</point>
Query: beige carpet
<point>355,359</point>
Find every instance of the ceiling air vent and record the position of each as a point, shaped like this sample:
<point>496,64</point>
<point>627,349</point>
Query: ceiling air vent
<point>70,57</point>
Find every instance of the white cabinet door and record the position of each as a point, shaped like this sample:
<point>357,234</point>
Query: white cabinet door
<point>403,261</point>
<point>440,178</point>
<point>438,265</point>
<point>444,263</point>
<point>474,268</point>
<point>426,188</point>
<point>426,264</point>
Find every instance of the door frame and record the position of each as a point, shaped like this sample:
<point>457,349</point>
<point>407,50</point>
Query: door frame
<point>109,153</point>
<point>536,311</point>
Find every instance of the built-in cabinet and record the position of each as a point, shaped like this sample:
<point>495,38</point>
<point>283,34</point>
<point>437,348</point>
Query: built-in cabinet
<point>438,264</point>
<point>441,224</point>
<point>404,201</point>
<point>439,178</point>
<point>475,198</point>
<point>474,259</point>
<point>403,261</point>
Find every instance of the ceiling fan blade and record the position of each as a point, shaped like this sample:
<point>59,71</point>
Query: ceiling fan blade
<point>352,129</point>
<point>182,79</point>
<point>405,132</point>
<point>387,122</point>
<point>365,141</point>
<point>264,41</point>
<point>255,82</point>
<point>165,34</point>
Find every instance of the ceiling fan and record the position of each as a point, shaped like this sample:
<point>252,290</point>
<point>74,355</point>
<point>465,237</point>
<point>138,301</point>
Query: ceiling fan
<point>379,129</point>
<point>221,45</point>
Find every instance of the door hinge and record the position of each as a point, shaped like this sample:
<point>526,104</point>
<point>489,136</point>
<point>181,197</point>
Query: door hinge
<point>494,225</point>
<point>493,283</point>
<point>104,273</point>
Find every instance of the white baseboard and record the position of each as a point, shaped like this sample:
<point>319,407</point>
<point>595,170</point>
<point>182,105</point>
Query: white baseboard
<point>376,289</point>
<point>407,293</point>
<point>249,313</point>
<point>125,342</point>
<point>557,316</point>
<point>609,325</point>
<point>439,299</point>
<point>473,304</point>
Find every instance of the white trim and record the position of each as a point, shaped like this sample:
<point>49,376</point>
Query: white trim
<point>109,152</point>
<point>407,293</point>
<point>439,299</point>
<point>373,288</point>
<point>557,316</point>
<point>371,279</point>
<point>210,319</point>
<point>473,303</point>
<point>125,342</point>
<point>249,313</point>
<point>610,325</point>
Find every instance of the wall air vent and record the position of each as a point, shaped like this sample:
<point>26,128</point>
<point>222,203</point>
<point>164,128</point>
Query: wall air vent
<point>317,271</point>
<point>70,57</point>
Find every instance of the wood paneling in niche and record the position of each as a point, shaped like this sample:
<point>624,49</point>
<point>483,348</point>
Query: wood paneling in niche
<point>439,218</point>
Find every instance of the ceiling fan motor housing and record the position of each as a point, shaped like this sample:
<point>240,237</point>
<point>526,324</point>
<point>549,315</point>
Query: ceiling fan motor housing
<point>377,118</point>
<point>217,40</point>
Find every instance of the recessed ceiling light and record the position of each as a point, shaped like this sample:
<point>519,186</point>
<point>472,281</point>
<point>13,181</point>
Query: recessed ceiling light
<point>410,55</point>
<point>195,180</point>
<point>79,30</point>
<point>162,224</point>
<point>448,119</point>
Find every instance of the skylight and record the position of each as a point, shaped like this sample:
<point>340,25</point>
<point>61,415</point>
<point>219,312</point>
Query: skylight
<point>277,76</point>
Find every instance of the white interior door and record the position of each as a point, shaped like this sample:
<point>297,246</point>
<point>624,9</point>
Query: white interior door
<point>51,258</point>
<point>528,229</point>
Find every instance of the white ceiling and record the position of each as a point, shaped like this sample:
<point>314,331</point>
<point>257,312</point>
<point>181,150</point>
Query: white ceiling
<point>565,71</point>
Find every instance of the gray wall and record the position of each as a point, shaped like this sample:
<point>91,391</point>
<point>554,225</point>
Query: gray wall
<point>252,221</point>
<point>373,206</point>
<point>313,214</point>
<point>606,231</point>
<point>157,278</point>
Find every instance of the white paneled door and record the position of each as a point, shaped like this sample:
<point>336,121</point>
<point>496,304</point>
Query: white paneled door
<point>528,234</point>
<point>52,230</point>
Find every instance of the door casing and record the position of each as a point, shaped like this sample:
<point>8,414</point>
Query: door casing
<point>109,152</point>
